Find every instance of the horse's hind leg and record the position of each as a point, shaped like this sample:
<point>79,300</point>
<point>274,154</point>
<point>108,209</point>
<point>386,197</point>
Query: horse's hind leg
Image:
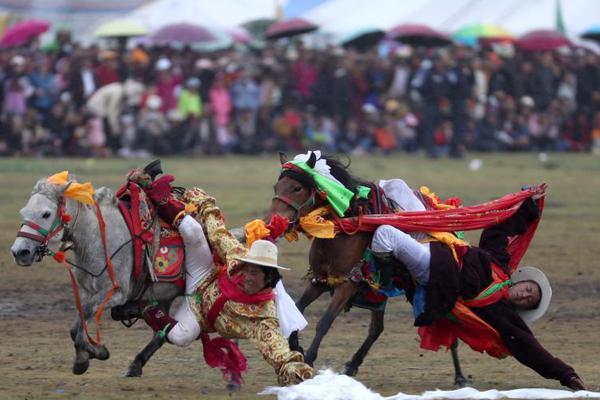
<point>375,329</point>
<point>311,293</point>
<point>341,295</point>
<point>459,379</point>
<point>137,365</point>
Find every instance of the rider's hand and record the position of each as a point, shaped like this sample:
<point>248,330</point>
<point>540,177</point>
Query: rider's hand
<point>160,190</point>
<point>138,176</point>
<point>539,190</point>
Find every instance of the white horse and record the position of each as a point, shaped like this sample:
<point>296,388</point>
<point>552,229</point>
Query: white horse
<point>44,228</point>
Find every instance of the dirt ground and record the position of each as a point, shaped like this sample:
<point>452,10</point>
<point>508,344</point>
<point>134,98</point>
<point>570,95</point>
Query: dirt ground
<point>36,306</point>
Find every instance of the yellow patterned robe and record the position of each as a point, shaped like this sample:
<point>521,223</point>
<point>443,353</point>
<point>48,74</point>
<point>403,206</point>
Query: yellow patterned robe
<point>257,322</point>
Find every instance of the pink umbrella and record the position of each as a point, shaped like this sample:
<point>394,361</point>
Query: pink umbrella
<point>543,40</point>
<point>22,32</point>
<point>183,33</point>
<point>290,27</point>
<point>419,35</point>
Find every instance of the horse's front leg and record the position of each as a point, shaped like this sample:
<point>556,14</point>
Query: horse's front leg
<point>341,295</point>
<point>84,350</point>
<point>311,293</point>
<point>375,329</point>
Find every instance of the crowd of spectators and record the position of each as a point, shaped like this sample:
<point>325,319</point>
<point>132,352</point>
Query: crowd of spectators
<point>89,101</point>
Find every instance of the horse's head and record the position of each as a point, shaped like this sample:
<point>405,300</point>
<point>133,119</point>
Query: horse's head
<point>43,223</point>
<point>295,193</point>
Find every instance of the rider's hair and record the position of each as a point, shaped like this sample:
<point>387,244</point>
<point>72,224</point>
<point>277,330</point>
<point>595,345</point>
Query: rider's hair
<point>272,276</point>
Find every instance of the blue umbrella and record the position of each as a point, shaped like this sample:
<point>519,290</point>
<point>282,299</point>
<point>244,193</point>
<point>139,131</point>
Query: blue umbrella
<point>592,33</point>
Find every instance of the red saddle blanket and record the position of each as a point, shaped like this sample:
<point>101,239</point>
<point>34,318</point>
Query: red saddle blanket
<point>138,212</point>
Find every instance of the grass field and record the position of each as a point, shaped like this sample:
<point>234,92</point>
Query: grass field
<point>36,307</point>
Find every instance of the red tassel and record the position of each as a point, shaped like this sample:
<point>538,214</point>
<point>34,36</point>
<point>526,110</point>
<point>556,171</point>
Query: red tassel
<point>323,195</point>
<point>59,256</point>
<point>66,218</point>
<point>224,354</point>
<point>277,226</point>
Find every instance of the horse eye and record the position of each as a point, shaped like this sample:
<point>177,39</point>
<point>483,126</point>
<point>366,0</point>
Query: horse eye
<point>297,189</point>
<point>46,215</point>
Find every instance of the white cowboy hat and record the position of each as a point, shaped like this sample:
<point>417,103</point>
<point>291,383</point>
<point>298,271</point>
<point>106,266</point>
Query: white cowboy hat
<point>264,253</point>
<point>536,275</point>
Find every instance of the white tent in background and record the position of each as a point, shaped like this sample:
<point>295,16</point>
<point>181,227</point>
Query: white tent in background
<point>517,16</point>
<point>217,13</point>
<point>344,16</point>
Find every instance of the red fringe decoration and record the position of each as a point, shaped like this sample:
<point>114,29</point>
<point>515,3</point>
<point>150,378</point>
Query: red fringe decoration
<point>59,256</point>
<point>224,354</point>
<point>277,225</point>
<point>66,218</point>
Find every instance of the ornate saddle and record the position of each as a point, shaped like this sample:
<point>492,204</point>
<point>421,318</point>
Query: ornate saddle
<point>157,246</point>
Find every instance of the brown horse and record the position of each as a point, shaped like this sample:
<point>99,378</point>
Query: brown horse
<point>295,196</point>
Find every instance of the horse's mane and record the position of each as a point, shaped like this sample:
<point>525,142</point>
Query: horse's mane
<point>342,173</point>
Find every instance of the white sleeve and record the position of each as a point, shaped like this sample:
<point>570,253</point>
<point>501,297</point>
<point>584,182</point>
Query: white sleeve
<point>398,191</point>
<point>290,318</point>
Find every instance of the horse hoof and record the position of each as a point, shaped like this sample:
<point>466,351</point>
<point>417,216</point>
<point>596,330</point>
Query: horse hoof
<point>81,363</point>
<point>134,371</point>
<point>350,370</point>
<point>461,382</point>
<point>101,353</point>
<point>233,387</point>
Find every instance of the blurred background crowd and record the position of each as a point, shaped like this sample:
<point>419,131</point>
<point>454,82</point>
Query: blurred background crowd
<point>422,92</point>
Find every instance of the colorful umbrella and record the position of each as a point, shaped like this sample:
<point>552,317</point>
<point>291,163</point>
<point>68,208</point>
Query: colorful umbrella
<point>419,35</point>
<point>258,27</point>
<point>22,32</point>
<point>120,28</point>
<point>362,39</point>
<point>183,34</point>
<point>472,34</point>
<point>592,33</point>
<point>543,40</point>
<point>290,27</point>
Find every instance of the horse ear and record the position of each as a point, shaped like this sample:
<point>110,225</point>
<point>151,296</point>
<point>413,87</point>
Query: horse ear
<point>312,160</point>
<point>283,158</point>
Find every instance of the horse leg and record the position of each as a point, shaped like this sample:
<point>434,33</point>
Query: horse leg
<point>84,350</point>
<point>459,379</point>
<point>136,366</point>
<point>341,295</point>
<point>375,329</point>
<point>311,293</point>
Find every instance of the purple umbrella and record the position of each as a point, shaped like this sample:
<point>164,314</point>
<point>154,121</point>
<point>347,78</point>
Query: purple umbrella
<point>183,34</point>
<point>419,35</point>
<point>22,32</point>
<point>543,40</point>
<point>290,27</point>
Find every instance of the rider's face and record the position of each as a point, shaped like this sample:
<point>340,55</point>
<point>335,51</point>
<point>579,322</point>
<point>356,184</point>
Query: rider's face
<point>524,295</point>
<point>253,278</point>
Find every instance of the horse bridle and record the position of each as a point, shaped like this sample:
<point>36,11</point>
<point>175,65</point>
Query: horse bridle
<point>311,201</point>
<point>43,235</point>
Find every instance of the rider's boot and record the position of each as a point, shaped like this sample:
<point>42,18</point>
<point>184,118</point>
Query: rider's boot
<point>159,320</point>
<point>127,311</point>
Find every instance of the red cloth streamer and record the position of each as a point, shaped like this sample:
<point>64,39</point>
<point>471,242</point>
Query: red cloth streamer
<point>450,220</point>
